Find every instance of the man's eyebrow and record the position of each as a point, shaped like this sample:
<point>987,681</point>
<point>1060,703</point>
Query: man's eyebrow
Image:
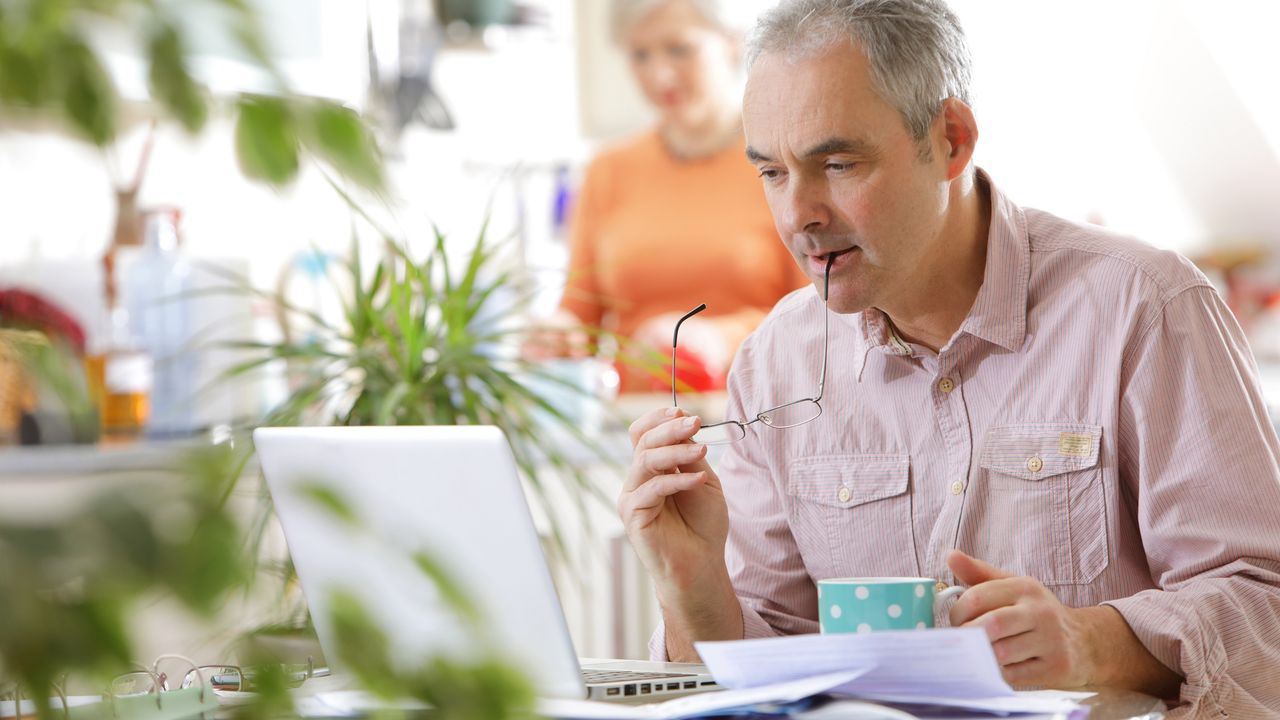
<point>831,146</point>
<point>837,146</point>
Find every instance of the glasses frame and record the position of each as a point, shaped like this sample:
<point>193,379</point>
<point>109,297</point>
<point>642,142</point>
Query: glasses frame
<point>763,416</point>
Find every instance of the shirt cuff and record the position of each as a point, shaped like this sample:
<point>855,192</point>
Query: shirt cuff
<point>1179,641</point>
<point>753,626</point>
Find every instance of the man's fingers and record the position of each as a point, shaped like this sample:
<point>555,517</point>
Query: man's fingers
<point>972,571</point>
<point>677,430</point>
<point>982,599</point>
<point>1004,622</point>
<point>1026,673</point>
<point>646,464</point>
<point>657,490</point>
<point>1018,648</point>
<point>649,421</point>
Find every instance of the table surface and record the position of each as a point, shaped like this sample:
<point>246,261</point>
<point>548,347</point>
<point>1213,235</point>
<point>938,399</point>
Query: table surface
<point>1123,704</point>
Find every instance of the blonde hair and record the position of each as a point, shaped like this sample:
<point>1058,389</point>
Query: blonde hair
<point>622,13</point>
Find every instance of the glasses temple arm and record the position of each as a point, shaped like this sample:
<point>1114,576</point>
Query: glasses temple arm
<point>826,324</point>
<point>675,336</point>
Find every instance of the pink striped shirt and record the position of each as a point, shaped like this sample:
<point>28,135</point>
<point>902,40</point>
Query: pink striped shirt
<point>1096,424</point>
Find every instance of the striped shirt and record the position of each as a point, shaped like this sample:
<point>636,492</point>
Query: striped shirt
<point>1096,423</point>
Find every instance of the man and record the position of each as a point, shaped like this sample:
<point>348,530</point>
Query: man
<point>1065,421</point>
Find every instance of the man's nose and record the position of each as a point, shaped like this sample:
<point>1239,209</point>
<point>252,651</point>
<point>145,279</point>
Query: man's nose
<point>805,207</point>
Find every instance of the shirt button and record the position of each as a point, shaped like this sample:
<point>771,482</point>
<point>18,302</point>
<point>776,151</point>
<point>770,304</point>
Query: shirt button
<point>946,385</point>
<point>957,487</point>
<point>940,586</point>
<point>1035,464</point>
<point>844,494</point>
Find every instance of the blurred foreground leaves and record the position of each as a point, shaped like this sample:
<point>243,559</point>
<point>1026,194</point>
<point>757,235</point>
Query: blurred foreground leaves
<point>49,67</point>
<point>69,580</point>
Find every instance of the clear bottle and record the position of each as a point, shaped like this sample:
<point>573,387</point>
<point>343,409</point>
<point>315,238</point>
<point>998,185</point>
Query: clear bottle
<point>157,296</point>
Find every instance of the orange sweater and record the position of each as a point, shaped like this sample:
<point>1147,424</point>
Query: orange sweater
<point>651,235</point>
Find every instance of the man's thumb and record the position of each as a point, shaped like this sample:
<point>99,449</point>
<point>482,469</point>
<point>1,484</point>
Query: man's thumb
<point>972,571</point>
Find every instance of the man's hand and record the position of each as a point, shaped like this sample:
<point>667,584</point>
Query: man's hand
<point>1038,641</point>
<point>671,504</point>
<point>674,511</point>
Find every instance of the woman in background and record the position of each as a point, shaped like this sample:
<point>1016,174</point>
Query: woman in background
<point>676,216</point>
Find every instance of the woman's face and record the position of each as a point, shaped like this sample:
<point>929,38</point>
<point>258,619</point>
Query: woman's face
<point>684,65</point>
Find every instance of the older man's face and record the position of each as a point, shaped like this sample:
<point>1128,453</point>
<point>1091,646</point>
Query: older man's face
<point>842,174</point>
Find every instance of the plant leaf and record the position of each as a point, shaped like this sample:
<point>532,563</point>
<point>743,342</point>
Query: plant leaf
<point>266,139</point>
<point>88,97</point>
<point>170,78</point>
<point>339,135</point>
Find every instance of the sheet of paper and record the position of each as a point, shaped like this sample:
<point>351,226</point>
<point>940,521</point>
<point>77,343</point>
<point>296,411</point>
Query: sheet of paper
<point>950,662</point>
<point>1017,703</point>
<point>699,705</point>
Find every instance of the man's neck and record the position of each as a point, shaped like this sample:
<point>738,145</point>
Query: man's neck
<point>931,318</point>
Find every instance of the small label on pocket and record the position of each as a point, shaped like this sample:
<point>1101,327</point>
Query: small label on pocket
<point>1075,444</point>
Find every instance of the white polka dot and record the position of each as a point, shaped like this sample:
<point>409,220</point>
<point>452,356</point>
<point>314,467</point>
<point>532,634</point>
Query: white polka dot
<point>919,591</point>
<point>862,593</point>
<point>895,611</point>
<point>920,626</point>
<point>836,612</point>
<point>864,628</point>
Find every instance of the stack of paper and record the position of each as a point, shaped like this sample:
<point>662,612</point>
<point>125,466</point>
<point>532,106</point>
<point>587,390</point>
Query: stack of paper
<point>949,667</point>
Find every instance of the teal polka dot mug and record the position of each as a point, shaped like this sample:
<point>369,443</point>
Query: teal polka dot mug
<point>858,605</point>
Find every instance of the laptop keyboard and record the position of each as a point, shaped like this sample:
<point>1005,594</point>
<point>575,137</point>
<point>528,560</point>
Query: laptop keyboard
<point>611,676</point>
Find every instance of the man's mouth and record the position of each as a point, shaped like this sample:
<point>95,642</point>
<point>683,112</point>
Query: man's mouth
<point>826,257</point>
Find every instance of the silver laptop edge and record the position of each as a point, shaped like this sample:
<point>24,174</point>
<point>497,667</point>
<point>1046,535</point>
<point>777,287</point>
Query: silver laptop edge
<point>454,493</point>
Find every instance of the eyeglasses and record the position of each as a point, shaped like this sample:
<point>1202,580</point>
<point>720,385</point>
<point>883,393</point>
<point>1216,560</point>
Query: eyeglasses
<point>779,417</point>
<point>221,679</point>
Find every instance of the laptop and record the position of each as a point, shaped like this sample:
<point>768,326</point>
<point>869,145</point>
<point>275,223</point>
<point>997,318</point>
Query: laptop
<point>453,493</point>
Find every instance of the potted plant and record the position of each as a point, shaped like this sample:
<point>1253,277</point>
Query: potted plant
<point>429,340</point>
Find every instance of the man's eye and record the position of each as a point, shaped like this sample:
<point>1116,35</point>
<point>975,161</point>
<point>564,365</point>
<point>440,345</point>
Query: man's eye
<point>839,167</point>
<point>769,174</point>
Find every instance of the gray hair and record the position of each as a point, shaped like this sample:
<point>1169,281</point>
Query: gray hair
<point>717,13</point>
<point>916,48</point>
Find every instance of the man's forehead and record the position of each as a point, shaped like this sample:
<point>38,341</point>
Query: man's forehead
<point>812,77</point>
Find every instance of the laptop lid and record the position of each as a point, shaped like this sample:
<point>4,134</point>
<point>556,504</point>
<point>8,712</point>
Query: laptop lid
<point>451,492</point>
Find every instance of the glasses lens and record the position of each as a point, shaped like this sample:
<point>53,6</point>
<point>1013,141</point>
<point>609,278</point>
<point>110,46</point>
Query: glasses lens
<point>134,683</point>
<point>791,414</point>
<point>216,677</point>
<point>720,434</point>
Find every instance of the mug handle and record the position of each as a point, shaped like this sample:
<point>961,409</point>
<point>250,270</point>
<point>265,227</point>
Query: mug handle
<point>949,592</point>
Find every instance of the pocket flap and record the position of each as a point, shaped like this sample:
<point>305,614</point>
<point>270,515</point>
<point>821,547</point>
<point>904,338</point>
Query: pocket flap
<point>844,481</point>
<point>1035,451</point>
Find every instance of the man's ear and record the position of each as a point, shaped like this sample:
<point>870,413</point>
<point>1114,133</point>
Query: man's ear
<point>959,135</point>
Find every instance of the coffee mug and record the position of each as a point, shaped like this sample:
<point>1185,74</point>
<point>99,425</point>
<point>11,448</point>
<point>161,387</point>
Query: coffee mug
<point>858,605</point>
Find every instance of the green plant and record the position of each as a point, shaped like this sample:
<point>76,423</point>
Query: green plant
<point>429,341</point>
<point>70,579</point>
<point>49,67</point>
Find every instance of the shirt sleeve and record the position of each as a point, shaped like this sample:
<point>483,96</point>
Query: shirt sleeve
<point>1198,462</point>
<point>775,591</point>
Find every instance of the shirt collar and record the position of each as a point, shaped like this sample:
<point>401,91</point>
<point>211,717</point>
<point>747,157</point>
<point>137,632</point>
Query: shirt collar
<point>999,313</point>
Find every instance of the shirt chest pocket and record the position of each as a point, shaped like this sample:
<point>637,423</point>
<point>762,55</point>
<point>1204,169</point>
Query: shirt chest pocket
<point>850,514</point>
<point>1043,512</point>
